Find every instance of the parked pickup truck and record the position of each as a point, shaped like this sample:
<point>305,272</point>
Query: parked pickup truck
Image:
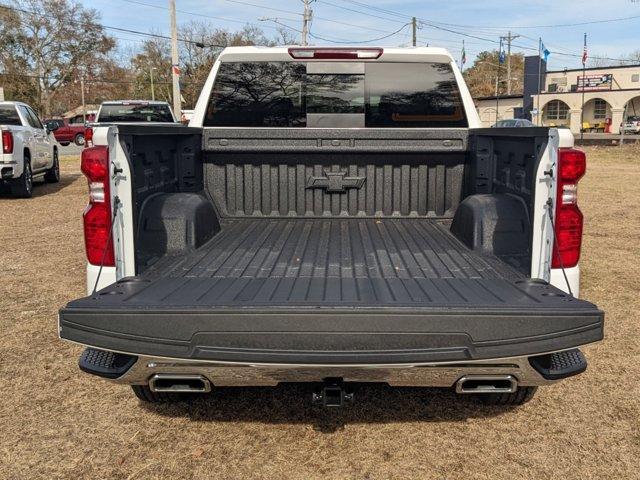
<point>333,215</point>
<point>29,150</point>
<point>66,132</point>
<point>130,111</point>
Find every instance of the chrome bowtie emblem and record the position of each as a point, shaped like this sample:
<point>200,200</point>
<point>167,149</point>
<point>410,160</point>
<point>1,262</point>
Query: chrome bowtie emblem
<point>335,182</point>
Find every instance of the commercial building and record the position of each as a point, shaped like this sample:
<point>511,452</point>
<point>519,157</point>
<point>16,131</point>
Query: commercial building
<point>610,95</point>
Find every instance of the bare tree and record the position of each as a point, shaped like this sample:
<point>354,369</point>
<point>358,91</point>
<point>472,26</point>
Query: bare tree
<point>481,77</point>
<point>154,60</point>
<point>49,41</point>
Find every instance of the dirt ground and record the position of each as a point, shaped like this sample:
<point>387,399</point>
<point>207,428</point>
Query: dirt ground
<point>56,422</point>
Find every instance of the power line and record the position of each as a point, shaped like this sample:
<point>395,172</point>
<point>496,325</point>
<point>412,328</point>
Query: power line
<point>358,11</point>
<point>360,41</point>
<point>200,15</point>
<point>578,24</point>
<point>575,24</point>
<point>91,81</point>
<point>438,25</point>
<point>330,40</point>
<point>263,7</point>
<point>118,29</point>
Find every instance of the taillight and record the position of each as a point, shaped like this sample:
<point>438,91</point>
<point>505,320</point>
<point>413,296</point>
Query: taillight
<point>7,141</point>
<point>335,53</point>
<point>97,216</point>
<point>572,165</point>
<point>88,137</point>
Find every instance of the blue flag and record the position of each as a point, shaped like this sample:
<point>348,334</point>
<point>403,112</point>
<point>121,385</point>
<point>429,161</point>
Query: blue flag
<point>501,56</point>
<point>545,52</point>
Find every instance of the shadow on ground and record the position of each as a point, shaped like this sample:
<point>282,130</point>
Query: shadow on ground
<point>41,188</point>
<point>291,403</point>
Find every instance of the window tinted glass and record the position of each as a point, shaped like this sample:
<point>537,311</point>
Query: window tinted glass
<point>35,120</point>
<point>135,112</point>
<point>413,95</point>
<point>281,94</point>
<point>257,95</point>
<point>9,115</point>
<point>28,117</point>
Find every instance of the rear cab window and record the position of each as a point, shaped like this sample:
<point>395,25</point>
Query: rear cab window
<point>134,112</point>
<point>9,116</point>
<point>298,94</point>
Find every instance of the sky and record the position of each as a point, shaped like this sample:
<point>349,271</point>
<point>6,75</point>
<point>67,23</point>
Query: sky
<point>441,23</point>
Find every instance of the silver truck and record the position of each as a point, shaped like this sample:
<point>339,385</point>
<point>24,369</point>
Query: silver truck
<point>29,150</point>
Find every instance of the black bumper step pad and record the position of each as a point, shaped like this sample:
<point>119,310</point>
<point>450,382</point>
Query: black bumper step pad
<point>556,366</point>
<point>105,364</point>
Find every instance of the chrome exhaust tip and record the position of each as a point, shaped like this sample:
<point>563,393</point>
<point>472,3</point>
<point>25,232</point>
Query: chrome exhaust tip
<point>165,382</point>
<point>487,384</point>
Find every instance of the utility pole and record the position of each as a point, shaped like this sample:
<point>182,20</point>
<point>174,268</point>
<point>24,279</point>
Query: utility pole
<point>175,63</point>
<point>414,27</point>
<point>509,38</point>
<point>497,97</point>
<point>84,109</point>
<point>153,92</point>
<point>584,85</point>
<point>539,114</point>
<point>306,20</point>
<point>624,120</point>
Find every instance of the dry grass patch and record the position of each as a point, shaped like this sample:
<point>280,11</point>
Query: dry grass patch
<point>56,422</point>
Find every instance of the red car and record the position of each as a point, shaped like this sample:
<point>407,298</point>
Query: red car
<point>68,132</point>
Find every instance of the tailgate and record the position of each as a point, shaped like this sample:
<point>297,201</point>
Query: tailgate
<point>457,319</point>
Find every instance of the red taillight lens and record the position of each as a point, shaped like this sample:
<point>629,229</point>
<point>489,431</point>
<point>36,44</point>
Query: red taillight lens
<point>569,236</point>
<point>95,163</point>
<point>97,238</point>
<point>97,216</point>
<point>7,142</point>
<point>572,165</point>
<point>336,53</point>
<point>88,137</point>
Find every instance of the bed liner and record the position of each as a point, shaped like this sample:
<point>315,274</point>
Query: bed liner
<point>332,291</point>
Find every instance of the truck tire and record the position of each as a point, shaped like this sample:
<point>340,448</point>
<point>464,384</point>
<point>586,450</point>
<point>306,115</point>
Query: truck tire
<point>144,393</point>
<point>521,396</point>
<point>22,187</point>
<point>53,174</point>
<point>79,139</point>
<point>65,144</point>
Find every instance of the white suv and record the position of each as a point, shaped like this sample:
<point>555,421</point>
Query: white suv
<point>632,125</point>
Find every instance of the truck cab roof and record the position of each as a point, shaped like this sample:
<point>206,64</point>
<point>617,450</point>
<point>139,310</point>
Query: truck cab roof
<point>387,54</point>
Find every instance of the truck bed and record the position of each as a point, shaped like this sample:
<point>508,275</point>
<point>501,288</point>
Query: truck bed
<point>332,291</point>
<point>373,262</point>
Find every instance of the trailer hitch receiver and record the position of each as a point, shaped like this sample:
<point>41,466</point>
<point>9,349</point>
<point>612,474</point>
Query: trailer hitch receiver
<point>332,393</point>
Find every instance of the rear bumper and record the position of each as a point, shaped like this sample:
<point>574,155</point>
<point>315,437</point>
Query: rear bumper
<point>333,337</point>
<point>140,370</point>
<point>9,168</point>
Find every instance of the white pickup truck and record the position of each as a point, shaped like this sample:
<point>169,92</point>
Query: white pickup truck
<point>333,215</point>
<point>29,150</point>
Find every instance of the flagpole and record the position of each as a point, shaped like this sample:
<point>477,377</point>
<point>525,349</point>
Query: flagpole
<point>584,83</point>
<point>498,80</point>
<point>539,115</point>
